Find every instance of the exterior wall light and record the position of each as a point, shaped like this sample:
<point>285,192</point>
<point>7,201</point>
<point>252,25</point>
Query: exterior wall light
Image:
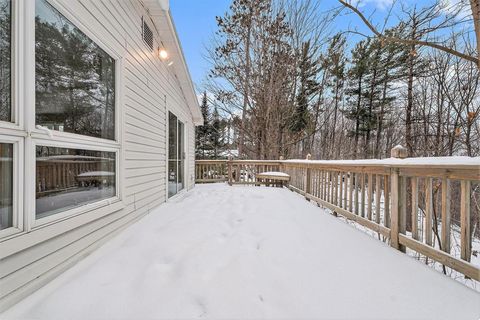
<point>163,54</point>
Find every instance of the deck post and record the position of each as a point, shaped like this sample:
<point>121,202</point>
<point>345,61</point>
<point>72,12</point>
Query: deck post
<point>308,175</point>
<point>229,166</point>
<point>399,201</point>
<point>281,167</point>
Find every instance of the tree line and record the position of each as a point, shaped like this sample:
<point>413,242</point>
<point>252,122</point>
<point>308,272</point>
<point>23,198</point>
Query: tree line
<point>289,85</point>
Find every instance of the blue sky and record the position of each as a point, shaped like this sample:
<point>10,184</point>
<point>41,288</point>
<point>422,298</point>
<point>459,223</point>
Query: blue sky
<point>195,23</point>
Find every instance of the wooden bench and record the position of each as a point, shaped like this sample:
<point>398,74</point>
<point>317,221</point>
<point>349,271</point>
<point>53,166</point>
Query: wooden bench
<point>278,179</point>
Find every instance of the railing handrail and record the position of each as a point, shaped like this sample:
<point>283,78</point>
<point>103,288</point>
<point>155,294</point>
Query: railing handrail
<point>462,162</point>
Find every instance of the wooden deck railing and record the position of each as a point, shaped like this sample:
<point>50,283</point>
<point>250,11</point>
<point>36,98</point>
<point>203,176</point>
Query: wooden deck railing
<point>380,195</point>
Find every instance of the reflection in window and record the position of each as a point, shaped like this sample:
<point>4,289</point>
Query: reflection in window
<point>68,178</point>
<point>176,155</point>
<point>6,185</point>
<point>5,60</point>
<point>75,78</point>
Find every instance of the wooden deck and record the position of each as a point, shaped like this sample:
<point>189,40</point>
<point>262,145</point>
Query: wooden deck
<point>247,252</point>
<point>411,202</point>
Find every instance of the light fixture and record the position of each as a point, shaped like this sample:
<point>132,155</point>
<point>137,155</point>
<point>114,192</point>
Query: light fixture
<point>163,54</point>
<point>170,63</point>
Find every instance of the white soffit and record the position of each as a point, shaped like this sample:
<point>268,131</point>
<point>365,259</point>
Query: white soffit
<point>159,10</point>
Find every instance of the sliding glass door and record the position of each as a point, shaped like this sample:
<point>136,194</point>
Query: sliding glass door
<point>176,155</point>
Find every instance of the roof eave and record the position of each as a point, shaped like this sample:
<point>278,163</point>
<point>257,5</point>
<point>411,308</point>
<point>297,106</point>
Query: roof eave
<point>159,10</point>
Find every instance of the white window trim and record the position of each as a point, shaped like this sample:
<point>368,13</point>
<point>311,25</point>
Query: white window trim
<point>13,131</point>
<point>25,136</point>
<point>76,141</point>
<point>17,201</point>
<point>56,217</point>
<point>16,121</point>
<point>182,119</point>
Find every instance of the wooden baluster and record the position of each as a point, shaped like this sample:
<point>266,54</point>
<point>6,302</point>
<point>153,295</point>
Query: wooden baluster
<point>399,204</point>
<point>319,187</point>
<point>345,189</point>
<point>356,194</point>
<point>325,177</point>
<point>386,203</point>
<point>370,196</point>
<point>378,194</point>
<point>230,173</point>
<point>335,188</point>
<point>320,194</point>
<point>428,210</point>
<point>350,191</point>
<point>446,196</point>
<point>340,192</point>
<point>414,213</point>
<point>362,211</point>
<point>308,180</point>
<point>465,234</point>
<point>330,186</point>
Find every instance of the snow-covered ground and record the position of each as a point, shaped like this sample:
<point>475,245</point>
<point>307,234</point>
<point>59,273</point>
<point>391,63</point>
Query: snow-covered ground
<point>247,252</point>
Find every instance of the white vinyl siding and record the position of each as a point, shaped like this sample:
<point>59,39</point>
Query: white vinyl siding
<point>148,88</point>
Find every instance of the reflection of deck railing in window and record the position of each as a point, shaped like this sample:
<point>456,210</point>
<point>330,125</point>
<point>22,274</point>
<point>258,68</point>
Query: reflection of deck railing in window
<point>412,203</point>
<point>60,173</point>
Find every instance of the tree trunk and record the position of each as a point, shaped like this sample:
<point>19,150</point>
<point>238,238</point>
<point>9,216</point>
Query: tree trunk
<point>475,6</point>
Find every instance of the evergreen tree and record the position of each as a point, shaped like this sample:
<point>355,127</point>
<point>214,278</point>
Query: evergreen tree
<point>334,64</point>
<point>217,128</point>
<point>355,110</point>
<point>203,134</point>
<point>308,70</point>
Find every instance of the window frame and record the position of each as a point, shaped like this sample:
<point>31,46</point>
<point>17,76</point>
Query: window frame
<point>13,131</point>
<point>17,195</point>
<point>180,118</point>
<point>24,136</point>
<point>16,93</point>
<point>62,215</point>
<point>66,139</point>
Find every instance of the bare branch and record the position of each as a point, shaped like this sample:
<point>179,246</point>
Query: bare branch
<point>409,41</point>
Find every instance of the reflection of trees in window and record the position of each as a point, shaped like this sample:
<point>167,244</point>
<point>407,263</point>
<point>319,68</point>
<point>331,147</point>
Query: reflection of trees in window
<point>6,185</point>
<point>5,60</point>
<point>75,79</point>
<point>68,178</point>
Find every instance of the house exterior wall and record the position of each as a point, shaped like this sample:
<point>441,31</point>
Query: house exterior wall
<point>148,90</point>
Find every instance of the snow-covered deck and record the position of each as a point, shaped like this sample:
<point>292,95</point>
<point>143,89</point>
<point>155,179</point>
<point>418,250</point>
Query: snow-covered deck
<point>247,252</point>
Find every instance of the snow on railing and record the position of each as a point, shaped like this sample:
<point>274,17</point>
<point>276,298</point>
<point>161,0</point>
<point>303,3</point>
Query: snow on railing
<point>411,202</point>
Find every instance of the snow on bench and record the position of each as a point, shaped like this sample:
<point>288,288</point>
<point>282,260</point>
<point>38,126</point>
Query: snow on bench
<point>274,175</point>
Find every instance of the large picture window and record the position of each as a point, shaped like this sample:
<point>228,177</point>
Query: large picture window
<point>59,147</point>
<point>74,79</point>
<point>68,178</point>
<point>5,60</point>
<point>6,185</point>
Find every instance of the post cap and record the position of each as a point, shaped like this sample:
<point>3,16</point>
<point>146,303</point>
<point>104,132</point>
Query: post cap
<point>281,158</point>
<point>399,152</point>
<point>309,156</point>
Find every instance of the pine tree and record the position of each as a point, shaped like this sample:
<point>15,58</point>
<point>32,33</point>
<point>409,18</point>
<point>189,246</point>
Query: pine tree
<point>357,74</point>
<point>334,64</point>
<point>203,134</point>
<point>308,85</point>
<point>216,134</point>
